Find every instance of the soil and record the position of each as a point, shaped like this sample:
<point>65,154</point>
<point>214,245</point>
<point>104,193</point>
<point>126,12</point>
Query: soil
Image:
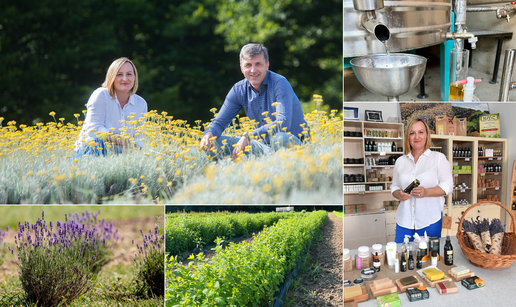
<point>327,289</point>
<point>122,254</point>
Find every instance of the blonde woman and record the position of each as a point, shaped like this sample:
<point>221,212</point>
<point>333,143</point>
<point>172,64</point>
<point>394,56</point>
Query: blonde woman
<point>421,210</point>
<point>109,109</point>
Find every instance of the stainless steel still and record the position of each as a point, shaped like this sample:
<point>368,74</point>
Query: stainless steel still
<point>506,83</point>
<point>411,24</point>
<point>389,75</point>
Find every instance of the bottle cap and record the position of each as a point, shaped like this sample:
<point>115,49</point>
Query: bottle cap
<point>363,251</point>
<point>377,248</point>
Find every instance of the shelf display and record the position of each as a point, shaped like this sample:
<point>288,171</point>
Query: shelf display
<point>478,166</point>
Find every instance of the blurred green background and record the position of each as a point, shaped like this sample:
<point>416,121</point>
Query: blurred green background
<point>11,215</point>
<point>54,53</point>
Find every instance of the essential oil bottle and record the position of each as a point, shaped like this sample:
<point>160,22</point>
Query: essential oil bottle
<point>448,252</point>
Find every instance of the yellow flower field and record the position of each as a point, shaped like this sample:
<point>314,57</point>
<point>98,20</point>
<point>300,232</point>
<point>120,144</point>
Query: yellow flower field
<point>38,165</point>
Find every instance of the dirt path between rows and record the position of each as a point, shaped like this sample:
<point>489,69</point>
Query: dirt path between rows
<point>326,290</point>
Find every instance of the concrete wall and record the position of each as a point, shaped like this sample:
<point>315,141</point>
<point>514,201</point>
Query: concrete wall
<point>484,56</point>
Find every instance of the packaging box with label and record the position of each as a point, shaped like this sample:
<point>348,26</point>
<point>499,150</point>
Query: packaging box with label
<point>445,125</point>
<point>490,125</point>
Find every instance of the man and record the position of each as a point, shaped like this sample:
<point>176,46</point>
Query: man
<point>262,94</point>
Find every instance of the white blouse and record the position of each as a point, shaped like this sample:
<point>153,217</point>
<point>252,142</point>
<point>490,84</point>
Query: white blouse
<point>432,169</point>
<point>104,112</point>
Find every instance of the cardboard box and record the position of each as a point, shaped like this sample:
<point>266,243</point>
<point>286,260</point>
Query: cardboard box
<point>490,125</point>
<point>354,208</point>
<point>445,125</point>
<point>348,265</point>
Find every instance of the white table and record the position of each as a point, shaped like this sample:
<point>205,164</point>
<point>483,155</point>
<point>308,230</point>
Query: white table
<point>499,289</point>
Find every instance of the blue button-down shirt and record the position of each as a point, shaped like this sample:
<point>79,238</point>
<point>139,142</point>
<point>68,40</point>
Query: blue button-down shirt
<point>275,88</point>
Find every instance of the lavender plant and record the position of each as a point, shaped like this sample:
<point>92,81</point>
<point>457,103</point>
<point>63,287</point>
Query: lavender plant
<point>58,260</point>
<point>150,262</point>
<point>3,234</point>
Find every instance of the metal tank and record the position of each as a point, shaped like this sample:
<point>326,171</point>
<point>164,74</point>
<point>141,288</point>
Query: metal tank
<point>404,25</point>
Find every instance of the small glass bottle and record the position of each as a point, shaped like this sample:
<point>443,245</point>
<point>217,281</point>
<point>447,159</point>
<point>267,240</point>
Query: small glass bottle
<point>419,263</point>
<point>410,261</point>
<point>434,258</point>
<point>403,264</point>
<point>448,252</point>
<point>376,262</point>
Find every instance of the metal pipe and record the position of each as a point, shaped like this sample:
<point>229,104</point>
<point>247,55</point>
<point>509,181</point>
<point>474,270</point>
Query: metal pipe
<point>506,84</point>
<point>376,28</point>
<point>368,5</point>
<point>482,9</point>
<point>460,20</point>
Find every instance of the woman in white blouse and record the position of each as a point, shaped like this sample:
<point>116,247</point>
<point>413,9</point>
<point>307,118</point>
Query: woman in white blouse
<point>421,210</point>
<point>113,112</point>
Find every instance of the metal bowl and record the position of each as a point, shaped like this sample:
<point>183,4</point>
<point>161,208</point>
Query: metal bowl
<point>389,75</point>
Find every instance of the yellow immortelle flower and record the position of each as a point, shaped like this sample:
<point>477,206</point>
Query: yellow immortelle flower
<point>160,179</point>
<point>178,172</point>
<point>169,184</point>
<point>52,113</point>
<point>142,176</point>
<point>93,177</point>
<point>266,188</point>
<point>158,158</point>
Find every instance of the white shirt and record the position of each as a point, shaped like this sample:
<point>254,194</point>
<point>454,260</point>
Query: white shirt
<point>105,112</point>
<point>432,169</point>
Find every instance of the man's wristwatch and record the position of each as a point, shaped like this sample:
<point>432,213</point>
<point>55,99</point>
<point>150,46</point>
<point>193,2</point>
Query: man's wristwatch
<point>246,134</point>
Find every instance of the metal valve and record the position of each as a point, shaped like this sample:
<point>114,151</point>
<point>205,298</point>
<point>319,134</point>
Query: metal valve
<point>503,13</point>
<point>473,42</point>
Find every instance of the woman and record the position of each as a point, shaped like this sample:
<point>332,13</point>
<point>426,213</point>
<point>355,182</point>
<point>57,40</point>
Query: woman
<point>421,210</point>
<point>114,112</point>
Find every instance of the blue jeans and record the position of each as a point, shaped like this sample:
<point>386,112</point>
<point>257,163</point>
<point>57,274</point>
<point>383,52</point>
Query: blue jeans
<point>279,140</point>
<point>97,149</point>
<point>433,230</point>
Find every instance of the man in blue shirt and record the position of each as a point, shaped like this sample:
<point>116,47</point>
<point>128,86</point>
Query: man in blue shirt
<point>262,94</point>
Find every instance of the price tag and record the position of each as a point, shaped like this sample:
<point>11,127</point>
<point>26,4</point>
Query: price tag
<point>462,190</point>
<point>483,189</point>
<point>482,174</point>
<point>497,188</point>
<point>387,167</point>
<point>367,153</point>
<point>490,159</point>
<point>368,167</point>
<point>455,175</point>
<point>467,159</point>
<point>361,193</point>
<point>383,153</point>
<point>496,174</point>
<point>499,159</point>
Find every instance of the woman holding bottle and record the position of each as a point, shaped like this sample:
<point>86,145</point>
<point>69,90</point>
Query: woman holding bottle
<point>421,210</point>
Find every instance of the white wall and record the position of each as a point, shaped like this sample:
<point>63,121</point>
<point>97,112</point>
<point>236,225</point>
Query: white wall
<point>507,111</point>
<point>389,109</point>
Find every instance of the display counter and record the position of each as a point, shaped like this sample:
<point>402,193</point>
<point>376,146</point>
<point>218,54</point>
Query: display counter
<point>499,289</point>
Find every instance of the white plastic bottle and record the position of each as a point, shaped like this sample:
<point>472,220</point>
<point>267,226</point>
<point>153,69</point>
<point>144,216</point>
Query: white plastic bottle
<point>469,89</point>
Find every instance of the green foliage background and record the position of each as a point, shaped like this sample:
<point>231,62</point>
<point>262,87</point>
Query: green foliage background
<point>54,53</point>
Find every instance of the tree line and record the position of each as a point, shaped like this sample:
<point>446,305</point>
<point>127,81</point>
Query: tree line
<point>54,53</point>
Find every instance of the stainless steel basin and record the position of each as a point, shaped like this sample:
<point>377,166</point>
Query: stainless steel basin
<point>389,75</point>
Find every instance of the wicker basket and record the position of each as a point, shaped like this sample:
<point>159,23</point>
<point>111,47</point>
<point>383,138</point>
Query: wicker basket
<point>485,260</point>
